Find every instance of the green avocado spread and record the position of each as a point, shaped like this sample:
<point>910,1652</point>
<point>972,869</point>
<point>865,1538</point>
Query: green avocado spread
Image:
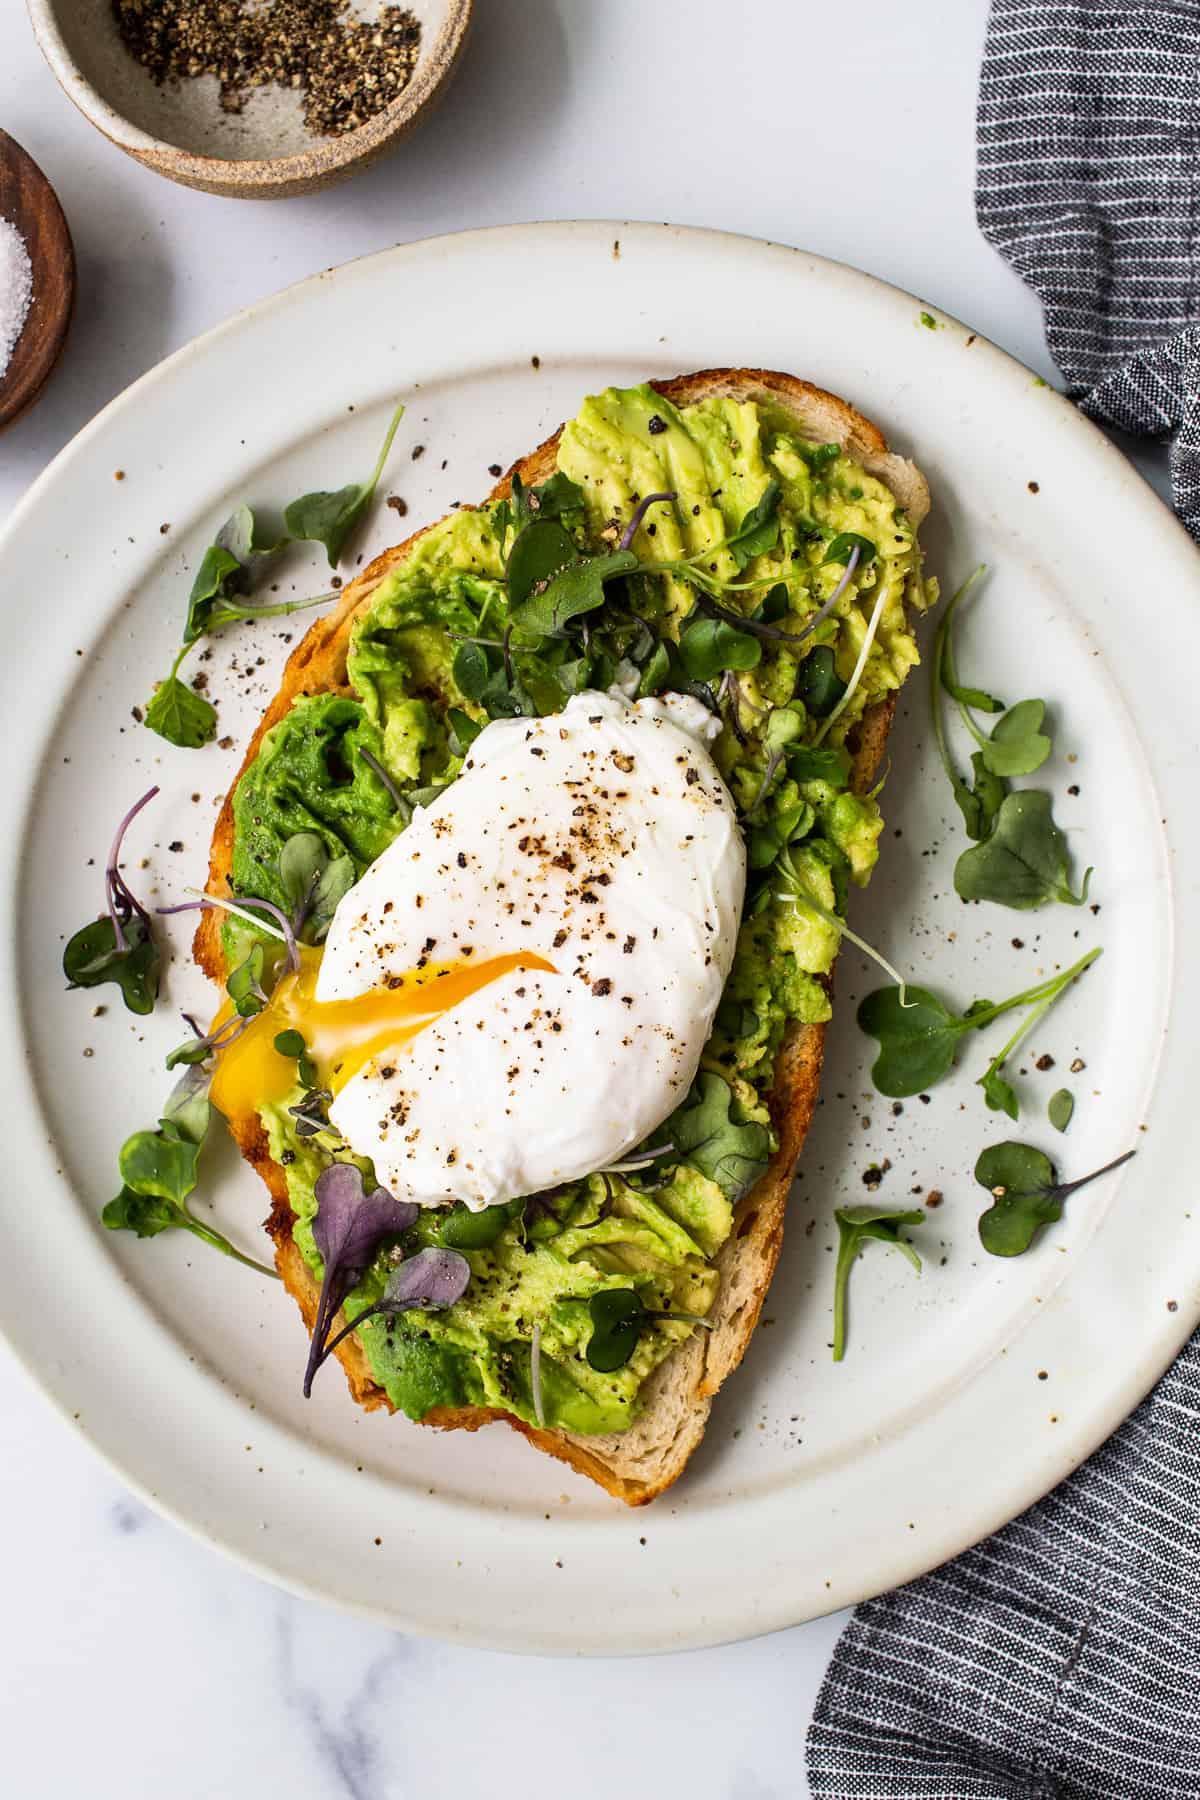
<point>425,660</point>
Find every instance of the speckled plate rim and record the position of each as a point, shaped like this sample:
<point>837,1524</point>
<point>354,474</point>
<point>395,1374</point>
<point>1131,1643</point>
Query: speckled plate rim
<point>920,1493</point>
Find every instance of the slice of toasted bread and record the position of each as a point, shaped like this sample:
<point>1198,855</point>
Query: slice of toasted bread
<point>637,1464</point>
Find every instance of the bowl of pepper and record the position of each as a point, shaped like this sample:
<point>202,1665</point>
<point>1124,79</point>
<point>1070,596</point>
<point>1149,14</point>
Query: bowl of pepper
<point>255,99</point>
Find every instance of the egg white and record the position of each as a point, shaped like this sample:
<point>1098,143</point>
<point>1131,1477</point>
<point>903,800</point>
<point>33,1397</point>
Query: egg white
<point>603,839</point>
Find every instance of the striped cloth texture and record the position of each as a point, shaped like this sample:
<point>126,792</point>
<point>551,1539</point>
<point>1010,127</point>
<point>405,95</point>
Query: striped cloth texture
<point>1060,1659</point>
<point>1089,184</point>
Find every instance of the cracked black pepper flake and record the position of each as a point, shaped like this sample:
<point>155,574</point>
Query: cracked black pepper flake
<point>346,69</point>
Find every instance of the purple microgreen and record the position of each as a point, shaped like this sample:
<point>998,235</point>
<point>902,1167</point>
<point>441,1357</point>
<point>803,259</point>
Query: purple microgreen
<point>535,1374</point>
<point>120,900</point>
<point>393,792</point>
<point>285,935</point>
<point>349,1228</point>
<point>427,1282</point>
<point>203,1045</point>
<point>119,947</point>
<point>642,508</point>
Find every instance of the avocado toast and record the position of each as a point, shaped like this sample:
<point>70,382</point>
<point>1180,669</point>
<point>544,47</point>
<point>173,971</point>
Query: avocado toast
<point>771,482</point>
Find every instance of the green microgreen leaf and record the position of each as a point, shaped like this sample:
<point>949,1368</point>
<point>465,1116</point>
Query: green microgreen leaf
<point>818,684</point>
<point>707,646</point>
<point>1026,1194</point>
<point>808,764</point>
<point>619,1316</point>
<point>119,947</point>
<point>1061,1108</point>
<point>159,1170</point>
<point>329,518</point>
<point>314,883</point>
<point>219,574</point>
<point>918,1042</point>
<point>291,1044</point>
<point>244,985</point>
<point>577,587</point>
<point>1000,1095</point>
<point>1025,861</point>
<point>842,547</point>
<point>759,529</point>
<point>179,714</point>
<point>1017,745</point>
<point>765,842</point>
<point>980,803</point>
<point>461,730</point>
<point>92,957</point>
<point>857,1226</point>
<point>707,1132</point>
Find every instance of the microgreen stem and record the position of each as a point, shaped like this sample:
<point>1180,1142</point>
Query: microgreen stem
<point>535,1374</point>
<point>116,890</point>
<point>848,1251</point>
<point>230,615</point>
<point>284,933</point>
<point>392,429</point>
<point>1047,991</point>
<point>860,665</point>
<point>943,667</point>
<point>377,769</point>
<point>638,1159</point>
<point>210,1235</point>
<point>1069,1187</point>
<point>797,897</point>
<point>630,531</point>
<point>769,774</point>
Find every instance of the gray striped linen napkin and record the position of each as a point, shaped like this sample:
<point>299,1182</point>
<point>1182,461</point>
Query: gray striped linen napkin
<point>1060,1659</point>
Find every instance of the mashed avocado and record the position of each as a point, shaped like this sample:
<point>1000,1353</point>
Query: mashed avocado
<point>425,662</point>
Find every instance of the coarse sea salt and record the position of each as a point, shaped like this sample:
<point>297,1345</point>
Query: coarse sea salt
<point>16,290</point>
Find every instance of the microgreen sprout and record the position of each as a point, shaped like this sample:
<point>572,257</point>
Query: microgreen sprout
<point>638,1159</point>
<point>159,1170</point>
<point>1026,1194</point>
<point>918,1042</point>
<point>329,518</point>
<point>535,1374</point>
<point>121,946</point>
<point>795,893</point>
<point>857,1225</point>
<point>642,508</point>
<point>282,930</point>
<point>860,665</point>
<point>619,1317</point>
<point>393,792</point>
<point>349,1228</point>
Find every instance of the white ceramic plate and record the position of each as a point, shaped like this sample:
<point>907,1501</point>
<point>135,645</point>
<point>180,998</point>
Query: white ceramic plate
<point>965,1394</point>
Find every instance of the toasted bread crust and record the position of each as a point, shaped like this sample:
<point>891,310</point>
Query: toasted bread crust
<point>638,1464</point>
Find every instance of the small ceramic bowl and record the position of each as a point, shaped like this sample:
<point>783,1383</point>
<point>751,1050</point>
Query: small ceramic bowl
<point>264,152</point>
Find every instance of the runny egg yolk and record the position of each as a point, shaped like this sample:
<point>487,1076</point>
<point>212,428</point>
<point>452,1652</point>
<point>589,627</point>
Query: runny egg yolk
<point>342,1036</point>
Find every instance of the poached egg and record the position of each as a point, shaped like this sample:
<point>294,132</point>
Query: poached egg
<point>519,990</point>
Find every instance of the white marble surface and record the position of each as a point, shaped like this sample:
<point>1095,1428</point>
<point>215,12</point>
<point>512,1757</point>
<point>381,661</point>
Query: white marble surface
<point>135,1661</point>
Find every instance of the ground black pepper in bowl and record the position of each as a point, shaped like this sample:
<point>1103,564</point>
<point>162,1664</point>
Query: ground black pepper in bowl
<point>347,68</point>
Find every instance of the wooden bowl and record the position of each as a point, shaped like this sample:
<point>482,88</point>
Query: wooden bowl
<point>264,152</point>
<point>29,202</point>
